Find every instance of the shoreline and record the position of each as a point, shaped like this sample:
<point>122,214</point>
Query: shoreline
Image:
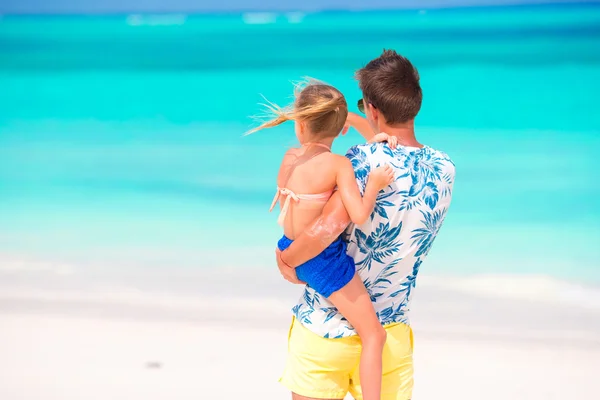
<point>512,309</point>
<point>222,335</point>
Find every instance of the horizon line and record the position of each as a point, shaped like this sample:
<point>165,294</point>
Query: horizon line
<point>516,4</point>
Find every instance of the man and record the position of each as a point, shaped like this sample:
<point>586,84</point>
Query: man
<point>388,249</point>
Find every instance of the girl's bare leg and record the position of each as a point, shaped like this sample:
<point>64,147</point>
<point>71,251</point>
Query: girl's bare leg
<point>354,303</point>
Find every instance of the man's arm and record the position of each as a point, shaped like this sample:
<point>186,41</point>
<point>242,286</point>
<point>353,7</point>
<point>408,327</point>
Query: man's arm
<point>319,235</point>
<point>361,125</point>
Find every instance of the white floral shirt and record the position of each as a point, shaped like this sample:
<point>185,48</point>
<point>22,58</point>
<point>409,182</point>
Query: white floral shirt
<point>389,248</point>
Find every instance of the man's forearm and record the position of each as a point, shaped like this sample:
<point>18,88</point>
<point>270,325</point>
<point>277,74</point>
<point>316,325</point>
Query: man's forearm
<point>361,125</point>
<point>320,234</point>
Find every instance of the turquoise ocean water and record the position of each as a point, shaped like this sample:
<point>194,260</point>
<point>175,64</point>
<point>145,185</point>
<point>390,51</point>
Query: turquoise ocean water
<point>121,136</point>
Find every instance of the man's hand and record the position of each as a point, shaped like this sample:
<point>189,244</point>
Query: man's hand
<point>345,129</point>
<point>350,120</point>
<point>288,273</point>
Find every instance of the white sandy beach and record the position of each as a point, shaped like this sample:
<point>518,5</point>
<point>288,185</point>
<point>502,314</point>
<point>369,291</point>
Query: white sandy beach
<point>133,345</point>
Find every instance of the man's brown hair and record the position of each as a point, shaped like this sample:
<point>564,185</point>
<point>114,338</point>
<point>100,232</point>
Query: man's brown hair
<point>391,84</point>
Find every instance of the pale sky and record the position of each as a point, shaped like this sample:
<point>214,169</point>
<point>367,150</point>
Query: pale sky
<point>125,6</point>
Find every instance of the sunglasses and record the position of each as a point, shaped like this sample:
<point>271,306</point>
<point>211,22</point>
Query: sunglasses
<point>361,105</point>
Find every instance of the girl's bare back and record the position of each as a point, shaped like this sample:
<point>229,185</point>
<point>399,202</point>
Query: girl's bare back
<point>309,170</point>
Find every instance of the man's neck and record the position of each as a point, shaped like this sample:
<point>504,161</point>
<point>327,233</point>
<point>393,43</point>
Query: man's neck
<point>405,132</point>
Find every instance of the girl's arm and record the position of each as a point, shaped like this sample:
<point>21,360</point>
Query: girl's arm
<point>360,207</point>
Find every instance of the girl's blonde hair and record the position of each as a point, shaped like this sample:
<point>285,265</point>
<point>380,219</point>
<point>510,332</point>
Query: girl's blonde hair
<point>322,107</point>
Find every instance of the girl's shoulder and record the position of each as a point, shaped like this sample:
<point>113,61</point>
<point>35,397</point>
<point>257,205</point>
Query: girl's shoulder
<point>325,156</point>
<point>339,159</point>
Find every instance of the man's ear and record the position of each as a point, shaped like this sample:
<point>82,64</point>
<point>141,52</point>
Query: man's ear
<point>374,113</point>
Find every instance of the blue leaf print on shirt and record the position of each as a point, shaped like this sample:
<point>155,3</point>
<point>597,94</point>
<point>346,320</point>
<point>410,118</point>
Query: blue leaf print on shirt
<point>410,282</point>
<point>361,165</point>
<point>430,194</point>
<point>402,201</point>
<point>419,198</point>
<point>381,203</point>
<point>388,151</point>
<point>427,165</point>
<point>330,312</point>
<point>424,236</point>
<point>386,313</point>
<point>311,297</point>
<point>343,332</point>
<point>303,313</point>
<point>304,316</point>
<point>381,243</point>
<point>382,280</point>
<point>424,168</point>
<point>391,314</point>
<point>296,309</point>
<point>448,182</point>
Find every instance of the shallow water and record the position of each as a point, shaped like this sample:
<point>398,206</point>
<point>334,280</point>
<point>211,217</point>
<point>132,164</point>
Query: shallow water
<point>121,136</point>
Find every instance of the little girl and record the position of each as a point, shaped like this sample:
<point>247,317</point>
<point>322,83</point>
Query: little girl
<point>307,178</point>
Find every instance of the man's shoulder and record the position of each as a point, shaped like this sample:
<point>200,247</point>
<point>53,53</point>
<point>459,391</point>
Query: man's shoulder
<point>374,153</point>
<point>443,159</point>
<point>369,152</point>
<point>440,154</point>
<point>358,150</point>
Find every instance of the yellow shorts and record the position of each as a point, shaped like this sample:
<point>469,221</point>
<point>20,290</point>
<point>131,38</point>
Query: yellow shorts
<point>328,368</point>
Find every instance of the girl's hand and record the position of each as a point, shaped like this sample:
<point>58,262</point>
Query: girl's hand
<point>382,176</point>
<point>392,141</point>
